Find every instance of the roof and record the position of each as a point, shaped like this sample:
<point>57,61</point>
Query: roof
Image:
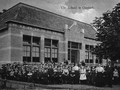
<point>34,16</point>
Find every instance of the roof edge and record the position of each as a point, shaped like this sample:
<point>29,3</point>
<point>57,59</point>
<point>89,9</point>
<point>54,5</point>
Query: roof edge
<point>3,28</point>
<point>90,38</point>
<point>14,21</point>
<point>11,8</point>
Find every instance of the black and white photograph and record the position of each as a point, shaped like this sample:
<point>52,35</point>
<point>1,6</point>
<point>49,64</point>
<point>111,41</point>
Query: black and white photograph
<point>59,44</point>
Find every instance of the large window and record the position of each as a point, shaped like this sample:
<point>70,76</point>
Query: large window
<point>26,53</point>
<point>31,49</point>
<point>51,50</point>
<point>73,51</point>
<point>89,56</point>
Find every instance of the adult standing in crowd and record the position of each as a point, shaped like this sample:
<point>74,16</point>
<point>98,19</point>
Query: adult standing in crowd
<point>99,78</point>
<point>50,74</point>
<point>76,70</point>
<point>109,74</point>
<point>93,75</point>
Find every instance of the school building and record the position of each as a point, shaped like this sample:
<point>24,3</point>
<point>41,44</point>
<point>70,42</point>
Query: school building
<point>31,34</point>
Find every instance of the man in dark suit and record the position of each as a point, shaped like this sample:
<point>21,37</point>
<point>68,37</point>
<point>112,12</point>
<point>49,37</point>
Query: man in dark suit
<point>109,74</point>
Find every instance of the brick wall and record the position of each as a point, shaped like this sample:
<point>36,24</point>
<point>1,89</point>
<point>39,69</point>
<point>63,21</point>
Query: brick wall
<point>16,43</point>
<point>5,46</point>
<point>17,32</point>
<point>12,42</point>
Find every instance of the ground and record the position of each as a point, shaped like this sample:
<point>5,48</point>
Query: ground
<point>69,87</point>
<point>65,87</point>
<point>86,87</point>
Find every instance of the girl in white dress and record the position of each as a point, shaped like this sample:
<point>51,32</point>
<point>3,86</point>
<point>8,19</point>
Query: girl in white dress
<point>83,77</point>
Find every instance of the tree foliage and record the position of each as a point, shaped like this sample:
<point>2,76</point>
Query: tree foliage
<point>108,27</point>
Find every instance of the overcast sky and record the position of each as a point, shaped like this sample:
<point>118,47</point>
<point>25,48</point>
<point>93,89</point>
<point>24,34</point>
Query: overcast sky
<point>82,10</point>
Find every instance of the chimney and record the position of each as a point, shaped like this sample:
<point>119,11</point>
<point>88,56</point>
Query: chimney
<point>66,26</point>
<point>82,31</point>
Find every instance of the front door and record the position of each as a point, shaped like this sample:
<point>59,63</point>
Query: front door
<point>74,56</point>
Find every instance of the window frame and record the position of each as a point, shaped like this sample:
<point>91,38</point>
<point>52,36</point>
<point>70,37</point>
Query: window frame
<point>51,46</point>
<point>32,45</point>
<point>90,56</point>
<point>70,48</point>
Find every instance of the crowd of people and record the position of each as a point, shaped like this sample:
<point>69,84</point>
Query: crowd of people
<point>61,73</point>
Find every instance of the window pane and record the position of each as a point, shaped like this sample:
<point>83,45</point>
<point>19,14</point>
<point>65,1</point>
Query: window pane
<point>68,54</point>
<point>47,60</point>
<point>86,60</point>
<point>74,45</point>
<point>54,43</point>
<point>80,46</point>
<point>91,47</point>
<point>37,54</point>
<point>36,40</point>
<point>28,48</point>
<point>26,59</point>
<point>91,60</point>
<point>68,44</point>
<point>45,50</point>
<point>55,60</point>
<point>35,59</point>
<point>24,53</point>
<point>100,61</point>
<point>48,54</point>
<point>86,55</point>
<point>28,54</point>
<point>33,54</point>
<point>90,55</point>
<point>34,49</point>
<point>37,49</point>
<point>47,42</point>
<point>97,61</point>
<point>56,50</point>
<point>24,48</point>
<point>87,47</point>
<point>53,55</point>
<point>26,39</point>
<point>53,50</point>
<point>48,50</point>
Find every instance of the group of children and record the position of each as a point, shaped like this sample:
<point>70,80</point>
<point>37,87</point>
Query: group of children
<point>60,73</point>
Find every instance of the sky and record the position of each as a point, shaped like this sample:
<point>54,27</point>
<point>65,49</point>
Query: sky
<point>81,10</point>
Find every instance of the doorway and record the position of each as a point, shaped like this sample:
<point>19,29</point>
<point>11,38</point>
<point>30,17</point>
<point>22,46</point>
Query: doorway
<point>75,56</point>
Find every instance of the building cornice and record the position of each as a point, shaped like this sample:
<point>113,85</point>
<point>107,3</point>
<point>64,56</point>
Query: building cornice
<point>35,26</point>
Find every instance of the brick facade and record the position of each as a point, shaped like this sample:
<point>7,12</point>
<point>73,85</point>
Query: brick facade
<point>11,38</point>
<point>5,46</point>
<point>13,49</point>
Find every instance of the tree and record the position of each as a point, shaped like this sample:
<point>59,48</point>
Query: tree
<point>108,27</point>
